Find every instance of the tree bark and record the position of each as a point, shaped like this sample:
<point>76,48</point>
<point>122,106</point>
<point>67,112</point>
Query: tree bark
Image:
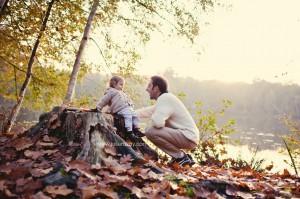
<point>92,132</point>
<point>15,110</point>
<point>76,66</point>
<point>3,5</point>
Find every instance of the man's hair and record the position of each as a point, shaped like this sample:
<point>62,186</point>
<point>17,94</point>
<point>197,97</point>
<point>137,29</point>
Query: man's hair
<point>114,80</point>
<point>160,82</point>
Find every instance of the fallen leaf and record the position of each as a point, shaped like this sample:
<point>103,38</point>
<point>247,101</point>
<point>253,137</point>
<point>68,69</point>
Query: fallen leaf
<point>24,162</point>
<point>18,172</point>
<point>8,155</point>
<point>83,167</point>
<point>21,143</point>
<point>114,165</point>
<point>79,164</point>
<point>104,173</point>
<point>18,130</point>
<point>45,144</point>
<point>173,185</point>
<point>126,159</point>
<point>153,175</point>
<point>147,190</point>
<point>6,169</point>
<point>50,152</point>
<point>117,179</point>
<point>110,150</point>
<point>46,138</point>
<point>178,197</point>
<point>95,168</point>
<point>2,185</point>
<point>138,192</point>
<point>62,190</point>
<point>133,171</point>
<point>33,154</point>
<point>109,193</point>
<point>243,194</point>
<point>40,172</point>
<point>286,174</point>
<point>3,139</point>
<point>89,192</point>
<point>128,184</point>
<point>296,191</point>
<point>68,158</point>
<point>21,182</point>
<point>92,191</point>
<point>8,193</point>
<point>42,165</point>
<point>40,195</point>
<point>30,187</point>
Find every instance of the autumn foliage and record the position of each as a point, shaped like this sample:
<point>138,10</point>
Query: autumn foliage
<point>43,165</point>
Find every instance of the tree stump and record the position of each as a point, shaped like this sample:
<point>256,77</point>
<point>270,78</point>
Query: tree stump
<point>92,133</point>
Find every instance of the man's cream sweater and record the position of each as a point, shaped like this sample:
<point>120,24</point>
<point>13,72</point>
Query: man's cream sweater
<point>170,112</point>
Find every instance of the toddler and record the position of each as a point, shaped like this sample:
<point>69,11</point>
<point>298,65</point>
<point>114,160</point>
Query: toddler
<point>121,104</point>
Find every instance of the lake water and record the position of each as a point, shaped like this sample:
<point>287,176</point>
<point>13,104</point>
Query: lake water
<point>276,156</point>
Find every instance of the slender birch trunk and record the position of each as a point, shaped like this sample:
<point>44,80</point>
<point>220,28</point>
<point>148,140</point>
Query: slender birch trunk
<point>3,4</point>
<point>76,66</point>
<point>15,110</point>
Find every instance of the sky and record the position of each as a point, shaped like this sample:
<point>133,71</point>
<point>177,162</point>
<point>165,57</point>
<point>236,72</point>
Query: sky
<point>245,40</point>
<point>253,39</point>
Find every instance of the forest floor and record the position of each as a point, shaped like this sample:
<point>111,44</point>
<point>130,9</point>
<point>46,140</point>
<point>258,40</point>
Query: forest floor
<point>43,167</point>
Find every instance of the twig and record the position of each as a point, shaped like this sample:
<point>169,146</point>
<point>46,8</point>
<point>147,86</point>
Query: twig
<point>163,18</point>
<point>101,54</point>
<point>290,154</point>
<point>16,83</point>
<point>19,69</point>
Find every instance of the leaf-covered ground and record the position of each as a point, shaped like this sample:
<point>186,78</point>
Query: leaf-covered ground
<point>43,167</point>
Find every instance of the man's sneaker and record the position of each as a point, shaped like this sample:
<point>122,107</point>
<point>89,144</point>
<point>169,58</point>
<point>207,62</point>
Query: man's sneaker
<point>185,160</point>
<point>131,136</point>
<point>192,161</point>
<point>138,133</point>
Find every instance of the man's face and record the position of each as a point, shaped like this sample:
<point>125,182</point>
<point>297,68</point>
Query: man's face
<point>153,91</point>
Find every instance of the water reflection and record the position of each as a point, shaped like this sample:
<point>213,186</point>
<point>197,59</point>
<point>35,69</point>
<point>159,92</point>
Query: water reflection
<point>275,156</point>
<point>253,138</point>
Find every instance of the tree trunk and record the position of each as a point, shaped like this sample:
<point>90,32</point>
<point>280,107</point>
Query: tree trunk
<point>15,110</point>
<point>3,4</point>
<point>76,66</point>
<point>92,132</point>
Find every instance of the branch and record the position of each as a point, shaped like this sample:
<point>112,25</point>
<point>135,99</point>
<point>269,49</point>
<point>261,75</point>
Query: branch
<point>101,54</point>
<point>16,83</point>
<point>155,12</point>
<point>19,69</point>
<point>163,18</point>
<point>290,154</point>
<point>129,19</point>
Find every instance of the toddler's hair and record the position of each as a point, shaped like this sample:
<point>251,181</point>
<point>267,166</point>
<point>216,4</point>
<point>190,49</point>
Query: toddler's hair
<point>114,80</point>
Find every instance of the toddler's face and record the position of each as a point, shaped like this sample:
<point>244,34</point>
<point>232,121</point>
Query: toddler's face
<point>119,85</point>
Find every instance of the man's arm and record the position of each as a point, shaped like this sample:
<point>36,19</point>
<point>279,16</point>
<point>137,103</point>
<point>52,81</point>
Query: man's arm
<point>162,112</point>
<point>145,112</point>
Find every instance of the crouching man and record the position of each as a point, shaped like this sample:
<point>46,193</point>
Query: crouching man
<point>173,129</point>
